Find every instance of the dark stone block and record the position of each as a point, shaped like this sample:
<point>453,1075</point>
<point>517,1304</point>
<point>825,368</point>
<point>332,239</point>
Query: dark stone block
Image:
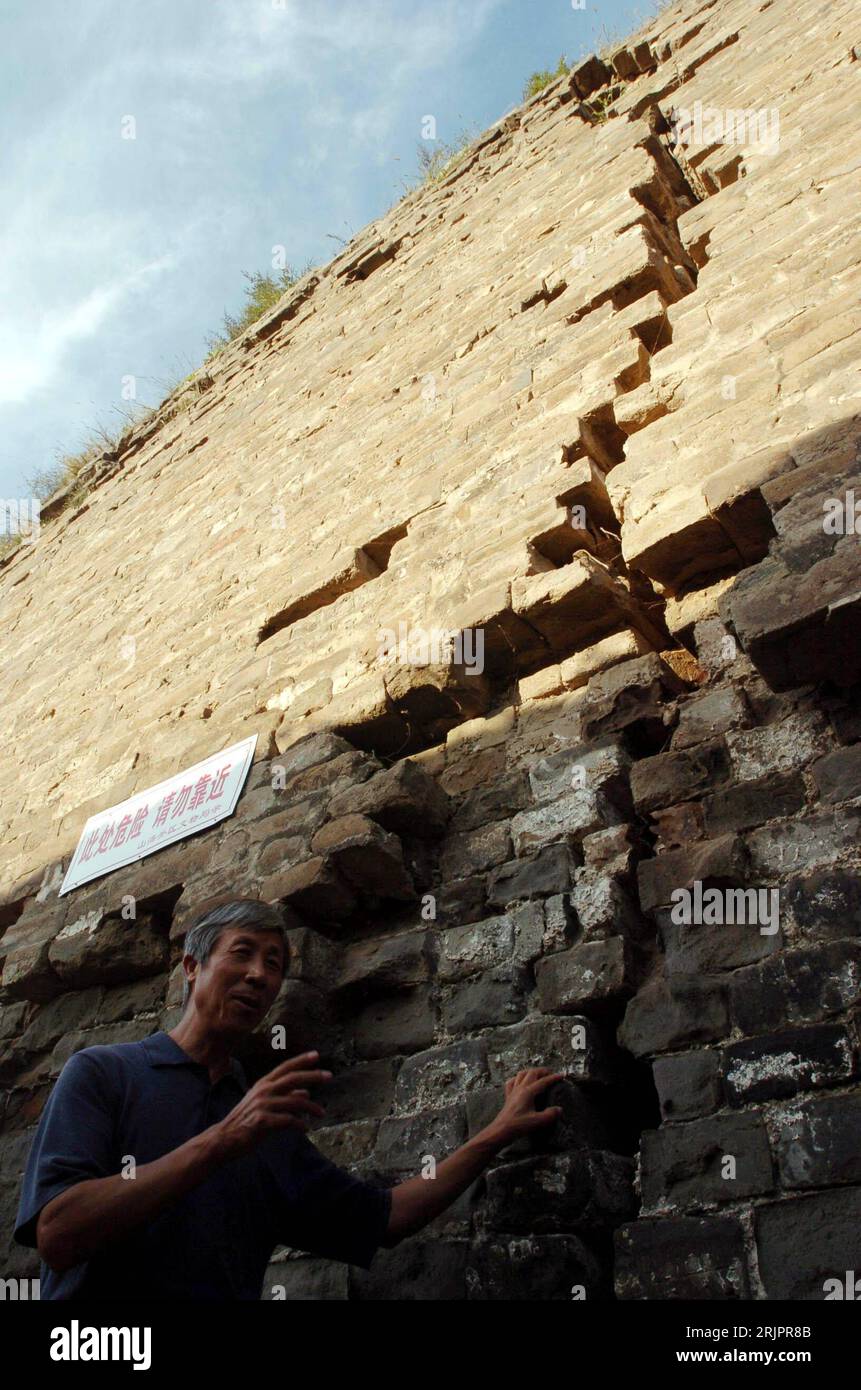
<point>838,774</point>
<point>595,973</point>
<point>306,1280</point>
<point>59,1016</point>
<point>682,1165</point>
<point>817,1142</point>
<point>781,1064</point>
<point>404,1141</point>
<point>669,1014</point>
<point>500,800</point>
<point>403,798</point>
<point>680,1258</point>
<point>748,804</point>
<point>582,1192</point>
<point>489,998</point>
<point>669,778</point>
<point>688,1084</point>
<point>442,1075</point>
<point>550,871</point>
<point>416,1271</point>
<point>394,1024</point>
<point>796,987</point>
<point>703,949</point>
<point>469,853</point>
<point>718,862</point>
<point>804,1241</point>
<point>460,901</point>
<point>827,903</point>
<point>534,1269</point>
<point>383,964</point>
<point>365,1091</point>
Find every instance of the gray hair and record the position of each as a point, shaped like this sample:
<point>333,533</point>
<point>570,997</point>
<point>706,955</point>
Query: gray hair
<point>237,912</point>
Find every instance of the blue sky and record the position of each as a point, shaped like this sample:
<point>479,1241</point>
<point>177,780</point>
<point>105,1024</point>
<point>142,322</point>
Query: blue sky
<point>257,123</point>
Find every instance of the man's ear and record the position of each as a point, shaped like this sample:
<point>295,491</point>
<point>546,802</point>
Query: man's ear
<point>191,967</point>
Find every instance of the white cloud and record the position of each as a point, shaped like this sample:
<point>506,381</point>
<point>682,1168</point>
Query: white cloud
<point>31,355</point>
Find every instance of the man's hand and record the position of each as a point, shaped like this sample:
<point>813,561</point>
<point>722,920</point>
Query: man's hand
<point>518,1114</point>
<point>279,1100</point>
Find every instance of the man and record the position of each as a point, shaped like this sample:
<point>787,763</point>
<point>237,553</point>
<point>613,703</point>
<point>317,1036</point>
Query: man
<point>156,1173</point>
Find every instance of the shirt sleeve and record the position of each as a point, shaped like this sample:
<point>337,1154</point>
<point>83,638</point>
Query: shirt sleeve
<point>73,1140</point>
<point>322,1209</point>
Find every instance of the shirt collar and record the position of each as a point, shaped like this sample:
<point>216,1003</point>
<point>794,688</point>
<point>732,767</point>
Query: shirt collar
<point>162,1051</point>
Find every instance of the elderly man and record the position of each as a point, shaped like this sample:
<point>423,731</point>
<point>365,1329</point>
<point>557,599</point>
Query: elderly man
<point>157,1173</point>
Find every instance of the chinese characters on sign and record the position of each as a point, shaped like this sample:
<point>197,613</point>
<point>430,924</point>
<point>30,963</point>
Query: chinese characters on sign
<point>148,821</point>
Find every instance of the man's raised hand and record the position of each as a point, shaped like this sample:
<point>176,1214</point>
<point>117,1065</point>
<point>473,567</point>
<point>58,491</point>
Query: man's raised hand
<point>279,1100</point>
<point>518,1114</point>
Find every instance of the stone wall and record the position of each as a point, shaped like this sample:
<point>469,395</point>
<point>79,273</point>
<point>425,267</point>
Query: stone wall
<point>588,398</point>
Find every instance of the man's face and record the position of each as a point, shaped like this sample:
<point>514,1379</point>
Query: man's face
<point>235,988</point>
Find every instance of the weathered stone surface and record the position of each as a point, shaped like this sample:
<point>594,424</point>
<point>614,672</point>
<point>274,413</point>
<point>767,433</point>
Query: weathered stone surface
<point>467,950</point>
<point>628,694</point>
<point>594,973</point>
<point>680,1258</point>
<point>580,1193</point>
<point>804,1241</point>
<point>671,777</point>
<point>547,872</point>
<point>503,798</point>
<point>468,854</point>
<point>308,752</point>
<point>368,857</point>
<point>404,1141</point>
<point>385,963</point>
<point>688,1084</point>
<point>414,1272</point>
<point>401,798</point>
<point>753,803</point>
<point>574,1046</point>
<point>306,1281</point>
<point>666,1014</point>
<point>313,890</point>
<point>492,997</point>
<point>441,1076</point>
<point>704,717</point>
<point>363,1091</point>
<point>533,1268</point>
<point>575,815</point>
<point>599,769</point>
<point>716,862</point>
<point>796,986</point>
<point>817,1141</point>
<point>91,951</point>
<point>721,1158</point>
<point>59,1016</point>
<point>346,1144</point>
<point>807,842</point>
<point>838,774</point>
<point>395,1025</point>
<point>780,1064</point>
<point>826,904</point>
<point>303,1013</point>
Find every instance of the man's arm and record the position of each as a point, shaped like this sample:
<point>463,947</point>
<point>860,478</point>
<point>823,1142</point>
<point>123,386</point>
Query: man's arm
<point>95,1212</point>
<point>82,1220</point>
<point>418,1200</point>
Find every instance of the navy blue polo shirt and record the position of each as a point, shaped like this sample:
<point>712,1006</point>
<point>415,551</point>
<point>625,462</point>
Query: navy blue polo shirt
<point>145,1099</point>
